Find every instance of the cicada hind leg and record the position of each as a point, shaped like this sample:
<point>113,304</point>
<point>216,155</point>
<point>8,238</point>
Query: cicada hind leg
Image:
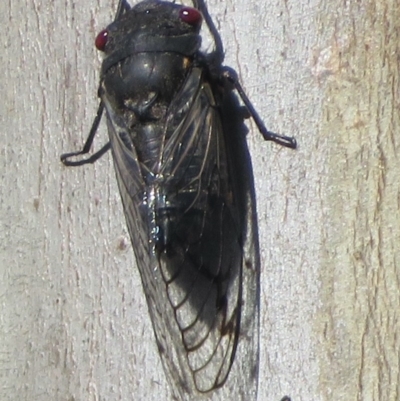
<point>229,78</point>
<point>65,158</point>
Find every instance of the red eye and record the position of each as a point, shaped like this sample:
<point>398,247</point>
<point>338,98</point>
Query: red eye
<point>101,40</point>
<point>190,15</point>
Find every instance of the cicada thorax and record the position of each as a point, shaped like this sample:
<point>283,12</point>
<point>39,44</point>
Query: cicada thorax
<point>140,89</point>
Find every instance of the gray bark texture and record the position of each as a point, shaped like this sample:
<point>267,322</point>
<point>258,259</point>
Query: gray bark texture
<point>74,324</point>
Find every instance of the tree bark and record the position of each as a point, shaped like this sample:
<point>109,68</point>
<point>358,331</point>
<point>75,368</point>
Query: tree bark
<point>74,324</point>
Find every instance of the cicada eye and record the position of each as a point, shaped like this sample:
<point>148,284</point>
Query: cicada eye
<point>190,15</point>
<point>101,40</point>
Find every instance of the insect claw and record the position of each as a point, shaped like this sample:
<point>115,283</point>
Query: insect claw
<point>95,156</point>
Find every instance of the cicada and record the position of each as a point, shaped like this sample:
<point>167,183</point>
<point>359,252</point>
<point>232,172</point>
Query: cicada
<point>178,143</point>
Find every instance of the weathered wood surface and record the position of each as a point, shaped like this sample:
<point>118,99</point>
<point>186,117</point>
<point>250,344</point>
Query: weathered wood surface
<point>74,325</point>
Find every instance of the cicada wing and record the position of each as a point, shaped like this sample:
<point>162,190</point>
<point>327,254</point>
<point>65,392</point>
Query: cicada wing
<point>201,283</point>
<point>131,175</point>
<point>133,178</point>
<point>130,178</point>
<point>243,379</point>
<point>202,264</point>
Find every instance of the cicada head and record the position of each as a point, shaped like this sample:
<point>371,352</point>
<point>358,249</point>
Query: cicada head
<point>153,26</point>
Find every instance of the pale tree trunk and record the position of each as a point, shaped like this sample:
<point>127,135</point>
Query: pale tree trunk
<point>74,324</point>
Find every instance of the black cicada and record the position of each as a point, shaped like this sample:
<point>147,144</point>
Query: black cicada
<point>185,180</point>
